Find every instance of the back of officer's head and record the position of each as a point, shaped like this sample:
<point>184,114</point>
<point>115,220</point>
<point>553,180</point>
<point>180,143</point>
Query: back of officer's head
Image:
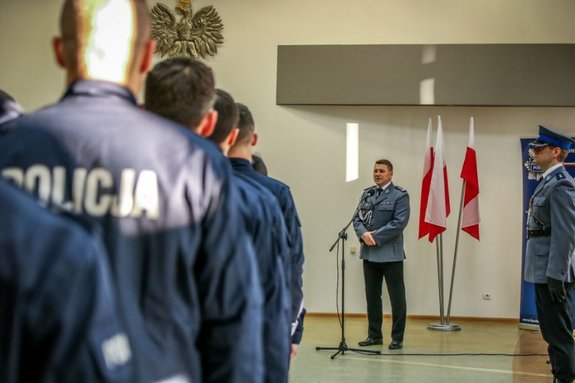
<point>259,165</point>
<point>246,125</point>
<point>227,116</point>
<point>181,89</point>
<point>104,39</point>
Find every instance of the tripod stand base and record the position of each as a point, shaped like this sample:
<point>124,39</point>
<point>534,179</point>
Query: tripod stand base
<point>444,327</point>
<point>342,348</point>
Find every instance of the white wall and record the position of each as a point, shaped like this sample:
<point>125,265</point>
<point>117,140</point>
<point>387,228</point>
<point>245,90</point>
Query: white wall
<point>305,146</point>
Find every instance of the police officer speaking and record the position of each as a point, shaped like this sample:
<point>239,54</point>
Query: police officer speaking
<point>379,225</point>
<point>550,255</point>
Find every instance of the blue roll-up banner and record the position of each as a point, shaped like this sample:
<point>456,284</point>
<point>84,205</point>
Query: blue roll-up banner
<point>531,174</point>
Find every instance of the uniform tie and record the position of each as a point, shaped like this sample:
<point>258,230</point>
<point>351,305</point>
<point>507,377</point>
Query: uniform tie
<point>378,192</point>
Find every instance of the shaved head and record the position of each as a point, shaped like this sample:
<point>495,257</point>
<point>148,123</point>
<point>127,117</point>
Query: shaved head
<point>103,39</point>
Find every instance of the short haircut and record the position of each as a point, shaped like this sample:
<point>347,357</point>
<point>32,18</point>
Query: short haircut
<point>259,165</point>
<point>228,116</point>
<point>563,156</point>
<point>181,89</point>
<point>385,162</point>
<point>246,125</point>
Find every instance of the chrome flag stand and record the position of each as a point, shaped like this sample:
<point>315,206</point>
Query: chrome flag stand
<point>444,320</point>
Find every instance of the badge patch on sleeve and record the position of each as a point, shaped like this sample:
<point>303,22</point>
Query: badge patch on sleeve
<point>116,351</point>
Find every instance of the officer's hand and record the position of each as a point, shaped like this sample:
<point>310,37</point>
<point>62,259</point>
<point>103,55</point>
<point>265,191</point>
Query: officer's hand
<point>556,289</point>
<point>293,352</point>
<point>368,239</point>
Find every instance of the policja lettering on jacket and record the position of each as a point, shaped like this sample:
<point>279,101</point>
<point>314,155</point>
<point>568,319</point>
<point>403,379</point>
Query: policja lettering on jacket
<point>92,191</point>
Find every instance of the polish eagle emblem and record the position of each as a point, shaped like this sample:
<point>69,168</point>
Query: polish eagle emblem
<point>194,35</point>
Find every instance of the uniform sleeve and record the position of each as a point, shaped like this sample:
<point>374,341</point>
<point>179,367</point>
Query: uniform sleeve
<point>297,259</point>
<point>398,222</point>
<point>283,252</point>
<point>229,291</point>
<point>358,225</point>
<point>562,205</point>
<point>277,302</point>
<point>298,334</point>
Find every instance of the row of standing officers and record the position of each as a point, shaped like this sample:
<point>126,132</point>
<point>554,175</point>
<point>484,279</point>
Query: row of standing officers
<point>167,261</point>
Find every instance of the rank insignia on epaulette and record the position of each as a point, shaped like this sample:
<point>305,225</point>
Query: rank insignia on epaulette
<point>400,189</point>
<point>560,176</point>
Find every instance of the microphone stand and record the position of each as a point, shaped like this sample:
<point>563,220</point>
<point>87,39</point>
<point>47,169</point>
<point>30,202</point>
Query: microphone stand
<point>342,347</point>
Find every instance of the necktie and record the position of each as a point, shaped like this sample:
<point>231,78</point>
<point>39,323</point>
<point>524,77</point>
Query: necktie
<point>378,192</point>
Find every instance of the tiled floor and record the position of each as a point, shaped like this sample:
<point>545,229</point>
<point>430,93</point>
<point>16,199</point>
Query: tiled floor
<point>427,356</point>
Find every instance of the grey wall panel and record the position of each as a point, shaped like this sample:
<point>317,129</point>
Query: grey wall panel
<point>445,74</point>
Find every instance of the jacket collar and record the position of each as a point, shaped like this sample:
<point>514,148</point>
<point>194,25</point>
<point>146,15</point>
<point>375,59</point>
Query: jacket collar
<point>94,88</point>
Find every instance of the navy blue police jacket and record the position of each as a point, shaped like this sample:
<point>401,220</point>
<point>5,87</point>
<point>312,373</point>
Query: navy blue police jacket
<point>274,266</point>
<point>283,195</point>
<point>261,225</point>
<point>163,199</point>
<point>58,315</point>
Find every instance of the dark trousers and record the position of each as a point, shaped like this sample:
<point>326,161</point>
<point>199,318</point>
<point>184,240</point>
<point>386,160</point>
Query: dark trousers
<point>374,273</point>
<point>556,324</point>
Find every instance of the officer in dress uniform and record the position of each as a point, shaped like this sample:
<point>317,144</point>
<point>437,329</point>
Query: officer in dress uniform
<point>550,255</point>
<point>379,225</point>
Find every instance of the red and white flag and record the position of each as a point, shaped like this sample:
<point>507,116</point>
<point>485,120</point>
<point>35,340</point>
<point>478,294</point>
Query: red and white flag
<point>425,183</point>
<point>438,207</point>
<point>470,217</point>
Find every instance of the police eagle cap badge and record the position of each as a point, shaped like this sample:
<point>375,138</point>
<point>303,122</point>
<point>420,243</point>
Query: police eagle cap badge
<point>194,35</point>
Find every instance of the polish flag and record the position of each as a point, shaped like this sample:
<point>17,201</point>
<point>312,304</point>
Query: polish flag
<point>470,217</point>
<point>425,183</point>
<point>438,207</point>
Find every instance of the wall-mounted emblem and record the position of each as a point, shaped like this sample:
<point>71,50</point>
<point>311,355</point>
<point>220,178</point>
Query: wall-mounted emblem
<point>194,35</point>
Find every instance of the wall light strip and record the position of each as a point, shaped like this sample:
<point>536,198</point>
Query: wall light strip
<point>352,152</point>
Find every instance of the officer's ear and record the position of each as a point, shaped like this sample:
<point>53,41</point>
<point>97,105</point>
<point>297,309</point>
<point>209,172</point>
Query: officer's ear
<point>233,136</point>
<point>147,55</point>
<point>254,139</point>
<point>58,47</point>
<point>208,124</point>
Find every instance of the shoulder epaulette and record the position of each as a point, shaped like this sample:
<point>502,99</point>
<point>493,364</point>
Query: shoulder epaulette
<point>560,176</point>
<point>400,189</point>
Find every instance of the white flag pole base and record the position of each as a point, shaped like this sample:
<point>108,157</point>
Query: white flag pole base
<point>444,327</point>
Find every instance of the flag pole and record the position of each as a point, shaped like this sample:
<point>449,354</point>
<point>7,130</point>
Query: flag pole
<point>456,326</point>
<point>443,324</point>
<point>439,200</point>
<point>439,277</point>
<point>442,289</point>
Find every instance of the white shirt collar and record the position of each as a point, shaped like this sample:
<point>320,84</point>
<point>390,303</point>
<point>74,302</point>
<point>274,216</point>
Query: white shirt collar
<point>385,186</point>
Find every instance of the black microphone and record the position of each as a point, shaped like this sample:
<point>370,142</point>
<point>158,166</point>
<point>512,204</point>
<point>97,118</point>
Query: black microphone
<point>371,192</point>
